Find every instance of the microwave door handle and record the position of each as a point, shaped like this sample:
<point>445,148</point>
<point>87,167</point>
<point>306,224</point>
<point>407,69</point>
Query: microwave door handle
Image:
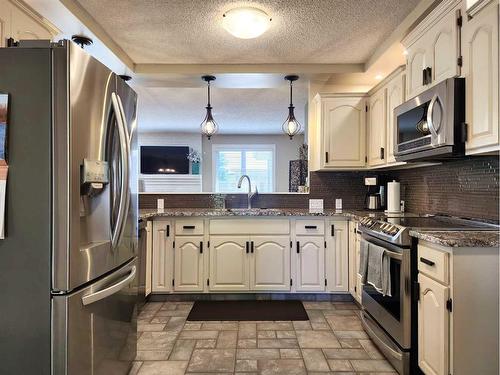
<point>122,212</point>
<point>106,292</point>
<point>430,109</point>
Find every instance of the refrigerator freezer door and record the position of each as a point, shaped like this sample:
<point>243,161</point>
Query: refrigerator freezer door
<point>88,224</point>
<point>94,330</point>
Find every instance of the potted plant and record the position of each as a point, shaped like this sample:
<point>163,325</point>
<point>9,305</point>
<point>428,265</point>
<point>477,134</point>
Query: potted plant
<point>195,158</point>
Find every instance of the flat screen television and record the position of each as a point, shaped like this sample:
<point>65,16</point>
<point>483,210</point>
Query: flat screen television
<point>164,160</point>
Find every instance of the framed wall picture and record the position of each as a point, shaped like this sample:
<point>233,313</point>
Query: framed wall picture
<point>4,116</point>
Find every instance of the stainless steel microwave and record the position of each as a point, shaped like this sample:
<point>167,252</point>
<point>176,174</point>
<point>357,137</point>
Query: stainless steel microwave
<point>431,126</point>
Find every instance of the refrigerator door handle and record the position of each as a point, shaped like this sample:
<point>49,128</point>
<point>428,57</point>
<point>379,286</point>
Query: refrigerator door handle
<point>124,189</point>
<point>106,292</point>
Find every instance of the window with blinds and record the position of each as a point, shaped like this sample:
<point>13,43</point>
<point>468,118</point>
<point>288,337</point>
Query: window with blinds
<point>231,162</point>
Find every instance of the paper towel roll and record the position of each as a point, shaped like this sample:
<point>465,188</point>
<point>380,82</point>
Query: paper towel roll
<point>393,197</point>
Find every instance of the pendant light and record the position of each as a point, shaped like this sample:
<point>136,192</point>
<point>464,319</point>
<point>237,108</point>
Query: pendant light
<point>208,127</point>
<point>291,126</point>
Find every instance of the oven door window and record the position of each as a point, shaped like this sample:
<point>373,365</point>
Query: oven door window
<point>390,304</point>
<point>413,125</point>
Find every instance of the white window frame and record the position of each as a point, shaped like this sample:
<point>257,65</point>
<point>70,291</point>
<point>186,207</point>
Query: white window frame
<point>238,147</point>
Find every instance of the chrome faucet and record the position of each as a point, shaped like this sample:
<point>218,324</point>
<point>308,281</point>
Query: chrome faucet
<point>250,193</point>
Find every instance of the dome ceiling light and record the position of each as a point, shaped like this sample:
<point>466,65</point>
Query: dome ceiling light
<point>246,23</point>
<point>291,126</point>
<point>208,127</point>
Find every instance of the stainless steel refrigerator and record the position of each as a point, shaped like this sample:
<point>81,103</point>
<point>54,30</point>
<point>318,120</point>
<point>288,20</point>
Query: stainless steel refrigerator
<point>68,262</point>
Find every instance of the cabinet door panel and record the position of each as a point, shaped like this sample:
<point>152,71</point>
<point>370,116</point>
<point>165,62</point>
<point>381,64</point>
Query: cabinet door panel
<point>188,273</point>
<point>352,258</point>
<point>415,66</point>
<point>433,329</point>
<point>377,129</point>
<point>270,264</point>
<point>149,256</point>
<point>229,263</point>
<point>480,44</point>
<point>337,265</point>
<point>344,132</point>
<point>310,263</point>
<point>395,97</point>
<point>444,48</point>
<point>162,268</point>
<point>25,27</point>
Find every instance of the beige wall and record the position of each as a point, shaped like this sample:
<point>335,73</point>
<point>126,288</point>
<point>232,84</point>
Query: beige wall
<point>286,150</point>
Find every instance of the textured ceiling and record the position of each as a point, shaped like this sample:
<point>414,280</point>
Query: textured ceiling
<point>302,31</point>
<point>237,111</point>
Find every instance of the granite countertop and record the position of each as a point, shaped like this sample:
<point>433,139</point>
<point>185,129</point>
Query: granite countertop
<point>260,212</point>
<point>463,238</point>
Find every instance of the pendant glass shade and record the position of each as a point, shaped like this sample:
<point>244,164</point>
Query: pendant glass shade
<point>291,126</point>
<point>208,127</point>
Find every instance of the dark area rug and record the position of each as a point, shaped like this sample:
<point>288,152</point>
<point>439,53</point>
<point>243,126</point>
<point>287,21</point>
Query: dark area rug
<point>248,310</point>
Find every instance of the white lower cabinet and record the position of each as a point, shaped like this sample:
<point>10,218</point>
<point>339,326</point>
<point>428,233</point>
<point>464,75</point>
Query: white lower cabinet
<point>229,259</point>
<point>458,310</point>
<point>310,263</point>
<point>336,257</point>
<point>353,260</point>
<point>270,263</point>
<point>250,255</point>
<point>188,261</point>
<point>243,263</point>
<point>433,324</point>
<point>163,257</point>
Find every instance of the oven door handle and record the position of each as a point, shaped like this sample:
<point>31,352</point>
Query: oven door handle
<point>430,121</point>
<point>389,253</point>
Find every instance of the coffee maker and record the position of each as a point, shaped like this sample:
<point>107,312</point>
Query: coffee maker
<point>375,198</point>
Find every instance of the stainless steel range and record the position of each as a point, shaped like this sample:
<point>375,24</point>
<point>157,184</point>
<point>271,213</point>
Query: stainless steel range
<point>391,320</point>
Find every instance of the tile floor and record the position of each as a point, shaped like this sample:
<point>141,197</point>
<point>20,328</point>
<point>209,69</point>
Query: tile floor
<point>332,342</point>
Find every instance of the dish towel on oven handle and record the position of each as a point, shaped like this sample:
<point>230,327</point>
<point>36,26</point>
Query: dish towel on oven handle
<point>363,260</point>
<point>378,272</point>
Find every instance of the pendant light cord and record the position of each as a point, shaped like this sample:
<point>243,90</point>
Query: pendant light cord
<point>291,88</point>
<point>208,83</point>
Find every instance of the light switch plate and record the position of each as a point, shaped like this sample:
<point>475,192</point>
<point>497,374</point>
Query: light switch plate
<point>160,204</point>
<point>316,206</point>
<point>338,204</point>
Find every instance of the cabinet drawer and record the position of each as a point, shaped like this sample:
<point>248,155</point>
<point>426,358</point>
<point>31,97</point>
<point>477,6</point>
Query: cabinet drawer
<point>312,227</point>
<point>433,263</point>
<point>188,227</point>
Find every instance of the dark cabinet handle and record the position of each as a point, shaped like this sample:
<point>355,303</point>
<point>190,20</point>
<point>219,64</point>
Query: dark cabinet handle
<point>382,153</point>
<point>424,77</point>
<point>201,247</point>
<point>326,157</point>
<point>251,247</point>
<point>429,75</point>
<point>427,261</point>
<point>298,247</point>
<point>168,230</point>
<point>248,247</point>
<point>333,230</point>
<point>188,227</point>
<point>311,227</point>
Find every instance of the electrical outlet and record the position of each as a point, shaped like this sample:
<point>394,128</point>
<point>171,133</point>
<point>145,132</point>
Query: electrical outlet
<point>316,206</point>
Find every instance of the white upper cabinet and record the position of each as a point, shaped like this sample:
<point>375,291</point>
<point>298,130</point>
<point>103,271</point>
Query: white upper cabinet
<point>480,40</point>
<point>339,132</point>
<point>229,263</point>
<point>18,21</point>
<point>310,263</point>
<point>433,48</point>
<point>188,260</point>
<point>270,264</point>
<point>377,127</point>
<point>395,97</point>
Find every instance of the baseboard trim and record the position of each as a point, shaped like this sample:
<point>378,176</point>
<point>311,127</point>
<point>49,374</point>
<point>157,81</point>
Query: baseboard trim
<point>327,297</point>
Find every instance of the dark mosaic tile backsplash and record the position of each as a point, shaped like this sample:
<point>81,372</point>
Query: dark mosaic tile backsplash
<point>467,188</point>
